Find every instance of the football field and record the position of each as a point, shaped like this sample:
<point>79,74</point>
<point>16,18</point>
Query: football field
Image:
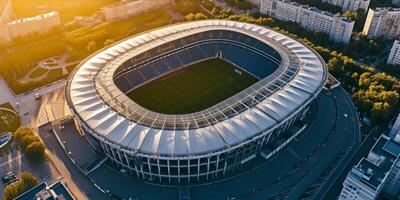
<point>193,88</point>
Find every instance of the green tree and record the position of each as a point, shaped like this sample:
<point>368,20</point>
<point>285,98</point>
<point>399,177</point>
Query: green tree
<point>108,42</point>
<point>35,150</point>
<point>380,112</point>
<point>91,46</point>
<point>26,182</point>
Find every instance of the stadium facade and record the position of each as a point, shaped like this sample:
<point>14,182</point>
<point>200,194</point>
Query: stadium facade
<point>209,143</point>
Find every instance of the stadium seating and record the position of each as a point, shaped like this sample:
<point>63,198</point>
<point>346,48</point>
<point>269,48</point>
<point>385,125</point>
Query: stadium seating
<point>234,47</point>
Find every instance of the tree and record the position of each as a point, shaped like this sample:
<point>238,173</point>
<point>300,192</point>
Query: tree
<point>91,47</point>
<point>108,42</point>
<point>30,143</point>
<point>26,182</point>
<point>380,112</point>
<point>200,16</point>
<point>35,150</point>
<point>189,17</point>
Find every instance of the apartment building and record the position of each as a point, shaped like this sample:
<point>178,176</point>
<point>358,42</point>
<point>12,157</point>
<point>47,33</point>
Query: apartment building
<point>382,22</point>
<point>394,56</point>
<point>128,8</point>
<point>338,28</point>
<point>378,173</point>
<point>34,25</point>
<point>349,5</point>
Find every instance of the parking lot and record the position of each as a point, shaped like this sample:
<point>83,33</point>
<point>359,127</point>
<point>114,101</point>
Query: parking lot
<point>12,160</point>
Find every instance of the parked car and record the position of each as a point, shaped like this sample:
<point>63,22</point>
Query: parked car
<point>9,178</point>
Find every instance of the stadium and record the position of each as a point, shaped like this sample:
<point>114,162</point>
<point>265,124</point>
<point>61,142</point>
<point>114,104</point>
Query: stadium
<point>193,101</point>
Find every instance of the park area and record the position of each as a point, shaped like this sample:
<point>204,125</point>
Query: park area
<point>22,64</point>
<point>193,88</point>
<point>9,119</point>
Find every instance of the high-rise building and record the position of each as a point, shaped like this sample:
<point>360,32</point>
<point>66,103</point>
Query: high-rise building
<point>394,56</point>
<point>396,2</point>
<point>34,25</point>
<point>378,173</point>
<point>128,8</point>
<point>382,22</point>
<point>350,5</point>
<point>338,28</point>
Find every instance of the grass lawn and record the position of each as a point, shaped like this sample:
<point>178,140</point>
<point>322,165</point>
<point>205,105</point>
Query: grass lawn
<point>136,24</point>
<point>55,73</point>
<point>9,122</point>
<point>68,9</point>
<point>37,72</point>
<point>193,88</point>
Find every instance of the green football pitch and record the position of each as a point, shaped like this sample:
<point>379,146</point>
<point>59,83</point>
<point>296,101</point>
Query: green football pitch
<point>193,88</point>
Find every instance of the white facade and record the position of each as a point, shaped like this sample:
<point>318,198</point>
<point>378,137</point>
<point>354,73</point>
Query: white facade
<point>394,56</point>
<point>392,186</point>
<point>38,24</point>
<point>338,28</point>
<point>129,8</point>
<point>350,5</point>
<point>382,22</point>
<point>378,173</point>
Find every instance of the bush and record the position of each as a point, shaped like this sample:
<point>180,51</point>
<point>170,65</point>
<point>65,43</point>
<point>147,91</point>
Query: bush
<point>30,143</point>
<point>26,182</point>
<point>35,150</point>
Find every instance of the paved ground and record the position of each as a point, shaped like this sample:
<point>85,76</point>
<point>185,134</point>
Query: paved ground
<point>77,146</point>
<point>14,160</point>
<point>310,159</point>
<point>78,184</point>
<point>27,105</point>
<point>7,96</point>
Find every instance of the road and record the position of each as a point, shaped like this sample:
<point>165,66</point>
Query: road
<point>363,149</point>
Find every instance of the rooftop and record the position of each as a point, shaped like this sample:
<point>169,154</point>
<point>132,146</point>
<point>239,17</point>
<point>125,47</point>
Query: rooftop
<point>109,115</point>
<point>38,17</point>
<point>56,191</point>
<point>370,174</point>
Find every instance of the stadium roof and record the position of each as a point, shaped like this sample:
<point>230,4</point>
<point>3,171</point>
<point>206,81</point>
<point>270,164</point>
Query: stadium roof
<point>104,109</point>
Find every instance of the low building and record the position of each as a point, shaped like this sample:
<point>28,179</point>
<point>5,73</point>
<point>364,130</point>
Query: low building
<point>350,5</point>
<point>128,8</point>
<point>382,22</point>
<point>43,191</point>
<point>377,174</point>
<point>394,56</point>
<point>338,28</point>
<point>34,25</point>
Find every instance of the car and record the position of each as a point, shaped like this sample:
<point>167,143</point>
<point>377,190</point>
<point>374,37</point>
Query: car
<point>10,177</point>
<point>12,180</point>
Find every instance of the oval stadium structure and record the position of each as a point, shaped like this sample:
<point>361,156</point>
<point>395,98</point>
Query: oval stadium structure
<point>203,145</point>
